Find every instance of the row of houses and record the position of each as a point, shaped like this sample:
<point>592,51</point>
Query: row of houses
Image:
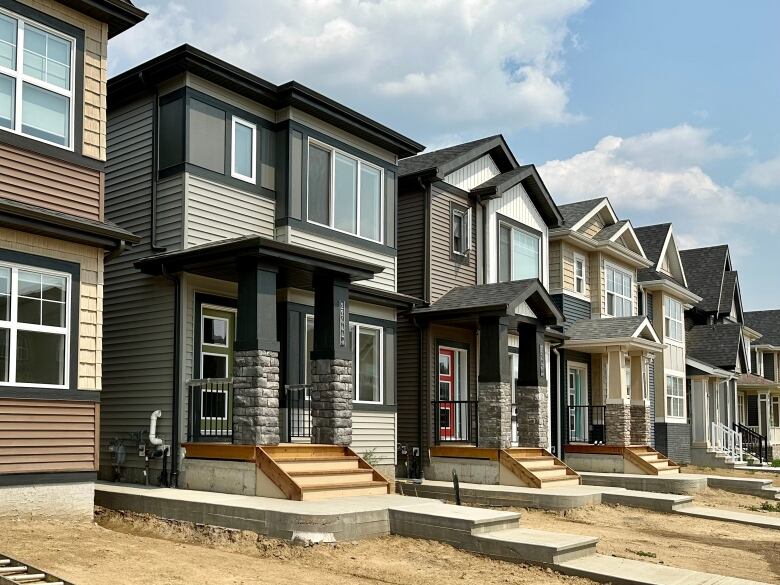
<point>194,260</point>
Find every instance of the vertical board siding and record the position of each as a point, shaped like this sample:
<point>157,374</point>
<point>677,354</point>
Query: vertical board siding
<point>47,436</point>
<point>473,174</point>
<point>374,431</point>
<point>139,309</point>
<point>217,212</point>
<point>446,272</point>
<point>411,244</point>
<point>49,183</point>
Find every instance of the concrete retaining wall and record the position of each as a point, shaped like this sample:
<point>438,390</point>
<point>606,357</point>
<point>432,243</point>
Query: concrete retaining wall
<point>596,463</point>
<point>482,471</point>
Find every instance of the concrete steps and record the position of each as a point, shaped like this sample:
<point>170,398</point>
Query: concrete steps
<point>15,572</point>
<point>534,467</point>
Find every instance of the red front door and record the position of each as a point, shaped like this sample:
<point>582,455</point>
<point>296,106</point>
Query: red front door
<point>447,389</point>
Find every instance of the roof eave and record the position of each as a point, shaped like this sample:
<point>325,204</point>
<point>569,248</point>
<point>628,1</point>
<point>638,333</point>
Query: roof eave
<point>119,15</point>
<point>669,286</point>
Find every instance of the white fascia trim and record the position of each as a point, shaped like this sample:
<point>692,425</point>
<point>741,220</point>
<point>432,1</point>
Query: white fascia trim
<point>671,287</point>
<point>589,244</point>
<point>628,227</point>
<point>708,369</point>
<point>646,324</point>
<point>669,238</point>
<point>753,334</point>
<point>766,347</point>
<point>613,341</point>
<point>597,209</point>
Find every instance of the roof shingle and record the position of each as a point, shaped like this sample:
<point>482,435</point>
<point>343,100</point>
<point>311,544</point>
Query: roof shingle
<point>437,158</point>
<point>767,323</point>
<point>612,328</point>
<point>704,269</point>
<point>652,238</point>
<point>715,344</point>
<point>574,212</point>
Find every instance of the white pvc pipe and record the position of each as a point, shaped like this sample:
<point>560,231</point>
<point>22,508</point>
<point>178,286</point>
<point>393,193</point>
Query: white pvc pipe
<point>153,438</point>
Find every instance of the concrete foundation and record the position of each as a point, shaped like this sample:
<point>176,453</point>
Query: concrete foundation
<point>73,502</point>
<point>227,477</point>
<point>482,471</point>
<point>596,462</point>
<point>667,484</point>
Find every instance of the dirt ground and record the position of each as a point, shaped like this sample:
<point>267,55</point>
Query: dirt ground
<point>678,541</point>
<point>750,474</point>
<point>739,502</point>
<point>139,550</point>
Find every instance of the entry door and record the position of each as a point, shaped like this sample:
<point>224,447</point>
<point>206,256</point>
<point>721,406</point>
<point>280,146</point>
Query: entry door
<point>447,394</point>
<point>577,397</point>
<point>218,333</point>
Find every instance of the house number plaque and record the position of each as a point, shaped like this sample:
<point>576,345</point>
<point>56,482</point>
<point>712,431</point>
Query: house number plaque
<point>342,324</point>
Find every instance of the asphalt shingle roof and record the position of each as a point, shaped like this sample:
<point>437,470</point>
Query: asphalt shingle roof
<point>727,291</point>
<point>715,344</point>
<point>437,158</point>
<point>610,230</point>
<point>704,269</point>
<point>502,178</point>
<point>767,323</point>
<point>650,275</point>
<point>574,212</point>
<point>480,296</point>
<point>613,328</point>
<point>753,380</point>
<point>652,238</point>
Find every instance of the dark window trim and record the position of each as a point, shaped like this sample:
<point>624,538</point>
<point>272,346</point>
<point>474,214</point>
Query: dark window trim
<point>355,241</point>
<point>459,257</point>
<point>52,477</point>
<point>76,155</point>
<point>501,218</point>
<point>74,269</point>
<point>200,300</point>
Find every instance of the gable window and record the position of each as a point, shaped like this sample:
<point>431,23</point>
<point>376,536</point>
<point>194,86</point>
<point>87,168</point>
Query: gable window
<point>579,274</point>
<point>619,292</point>
<point>36,81</point>
<point>675,397</point>
<point>519,254</point>
<point>673,319</point>
<point>345,192</point>
<point>244,147</point>
<point>33,327</point>
<point>461,230</point>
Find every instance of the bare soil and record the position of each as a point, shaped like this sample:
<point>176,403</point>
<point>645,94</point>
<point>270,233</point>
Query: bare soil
<point>749,474</point>
<point>739,502</point>
<point>142,550</point>
<point>690,543</point>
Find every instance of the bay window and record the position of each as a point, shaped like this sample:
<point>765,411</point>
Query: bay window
<point>36,81</point>
<point>675,397</point>
<point>673,319</point>
<point>619,293</point>
<point>33,327</point>
<point>519,254</point>
<point>344,192</point>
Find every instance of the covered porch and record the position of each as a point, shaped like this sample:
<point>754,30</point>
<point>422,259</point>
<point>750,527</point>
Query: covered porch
<point>758,404</point>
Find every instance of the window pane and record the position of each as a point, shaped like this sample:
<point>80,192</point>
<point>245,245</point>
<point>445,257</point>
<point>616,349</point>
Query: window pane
<point>5,294</point>
<point>244,151</point>
<point>345,196</point>
<point>369,365</point>
<point>7,42</point>
<point>53,314</point>
<point>53,288</point>
<point>40,358</point>
<point>214,366</point>
<point>46,57</point>
<point>319,185</point>
<point>5,348</point>
<point>45,115</point>
<point>370,203</point>
<point>504,252</point>
<point>29,284</point>
<point>525,255</point>
<point>206,136</point>
<point>7,88</point>
<point>457,232</point>
<point>215,331</point>
<point>29,310</point>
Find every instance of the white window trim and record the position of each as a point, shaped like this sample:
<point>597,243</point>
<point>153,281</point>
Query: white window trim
<point>512,229</point>
<point>203,328</point>
<point>332,189</point>
<point>20,78</point>
<point>233,173</point>
<point>14,326</point>
<point>221,355</point>
<point>668,317</point>
<point>669,415</point>
<point>466,224</point>
<point>584,279</point>
<point>608,292</point>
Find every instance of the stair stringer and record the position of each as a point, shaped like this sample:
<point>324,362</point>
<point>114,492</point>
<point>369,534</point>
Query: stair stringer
<point>525,476</point>
<point>633,463</point>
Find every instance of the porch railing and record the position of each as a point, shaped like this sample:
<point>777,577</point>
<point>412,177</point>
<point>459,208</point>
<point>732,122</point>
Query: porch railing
<point>455,421</point>
<point>210,410</point>
<point>754,443</point>
<point>298,411</point>
<point>726,440</point>
<point>586,424</point>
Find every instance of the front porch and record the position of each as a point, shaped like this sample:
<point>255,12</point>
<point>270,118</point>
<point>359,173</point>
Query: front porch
<point>758,402</point>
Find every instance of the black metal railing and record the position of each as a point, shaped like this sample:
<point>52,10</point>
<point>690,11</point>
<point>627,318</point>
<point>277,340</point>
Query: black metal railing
<point>754,443</point>
<point>455,421</point>
<point>586,424</point>
<point>298,411</point>
<point>210,410</point>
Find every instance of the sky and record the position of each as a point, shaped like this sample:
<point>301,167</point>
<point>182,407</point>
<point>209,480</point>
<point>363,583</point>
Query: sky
<point>670,109</point>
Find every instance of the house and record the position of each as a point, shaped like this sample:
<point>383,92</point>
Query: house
<point>665,297</point>
<point>717,346</point>
<point>608,359</point>
<point>53,240</point>
<point>758,393</point>
<point>261,305</point>
<point>474,360</point>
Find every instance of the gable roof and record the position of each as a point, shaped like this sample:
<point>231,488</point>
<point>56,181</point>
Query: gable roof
<point>767,323</point>
<point>727,291</point>
<point>718,344</point>
<point>575,212</point>
<point>653,238</point>
<point>611,230</point>
<point>445,160</point>
<point>612,328</point>
<point>704,269</point>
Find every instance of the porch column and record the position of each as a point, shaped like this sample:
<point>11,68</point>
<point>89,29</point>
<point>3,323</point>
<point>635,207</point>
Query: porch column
<point>531,391</point>
<point>331,362</point>
<point>494,389</point>
<point>641,418</point>
<point>618,405</point>
<point>256,357</point>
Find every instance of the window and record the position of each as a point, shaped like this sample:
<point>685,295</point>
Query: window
<point>629,375</point>
<point>36,81</point>
<point>217,336</point>
<point>579,274</point>
<point>775,412</point>
<point>675,397</point>
<point>33,327</point>
<point>345,193</point>
<point>244,147</point>
<point>673,319</point>
<point>461,230</point>
<point>519,255</point>
<point>619,293</point>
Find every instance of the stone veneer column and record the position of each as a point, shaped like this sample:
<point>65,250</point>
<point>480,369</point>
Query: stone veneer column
<point>618,405</point>
<point>494,390</point>
<point>531,391</point>
<point>641,415</point>
<point>618,423</point>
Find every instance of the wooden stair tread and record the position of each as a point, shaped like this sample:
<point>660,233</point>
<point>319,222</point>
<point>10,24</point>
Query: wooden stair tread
<point>314,459</point>
<point>343,486</point>
<point>560,478</point>
<point>540,458</point>
<point>330,472</point>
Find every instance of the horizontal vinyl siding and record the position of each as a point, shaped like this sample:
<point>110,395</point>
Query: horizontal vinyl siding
<point>556,278</point>
<point>411,244</point>
<point>46,436</point>
<point>374,431</point>
<point>408,383</point>
<point>446,272</point>
<point>217,212</point>
<point>49,183</point>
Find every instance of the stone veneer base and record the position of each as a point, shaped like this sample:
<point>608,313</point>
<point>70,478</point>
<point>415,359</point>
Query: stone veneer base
<point>618,423</point>
<point>533,416</point>
<point>331,401</point>
<point>495,414</point>
<point>256,397</point>
<point>640,424</point>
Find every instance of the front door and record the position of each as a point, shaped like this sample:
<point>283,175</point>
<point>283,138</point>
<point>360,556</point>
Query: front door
<point>578,400</point>
<point>217,337</point>
<point>447,395</point>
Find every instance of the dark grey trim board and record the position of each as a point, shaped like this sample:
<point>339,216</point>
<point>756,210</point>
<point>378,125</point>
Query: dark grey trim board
<point>337,236</point>
<point>33,479</point>
<point>27,393</point>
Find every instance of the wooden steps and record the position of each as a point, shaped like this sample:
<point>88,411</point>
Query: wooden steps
<point>319,472</point>
<point>536,467</point>
<point>649,461</point>
<point>15,572</point>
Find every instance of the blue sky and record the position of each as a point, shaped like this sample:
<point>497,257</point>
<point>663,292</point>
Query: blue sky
<point>669,108</point>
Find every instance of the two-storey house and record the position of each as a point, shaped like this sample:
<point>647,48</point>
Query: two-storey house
<point>260,306</point>
<point>53,239</point>
<point>474,358</point>
<point>665,297</point>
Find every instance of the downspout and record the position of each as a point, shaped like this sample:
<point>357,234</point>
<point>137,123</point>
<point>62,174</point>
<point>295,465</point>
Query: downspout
<point>155,168</point>
<point>176,389</point>
<point>116,251</point>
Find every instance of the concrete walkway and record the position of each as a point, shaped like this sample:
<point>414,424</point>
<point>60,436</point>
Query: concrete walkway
<point>753,519</point>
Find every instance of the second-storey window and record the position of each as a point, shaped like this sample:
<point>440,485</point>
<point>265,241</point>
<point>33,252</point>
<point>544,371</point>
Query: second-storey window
<point>345,193</point>
<point>619,293</point>
<point>36,85</point>
<point>33,327</point>
<point>461,230</point>
<point>675,396</point>
<point>579,274</point>
<point>244,147</point>
<point>519,254</point>
<point>673,319</point>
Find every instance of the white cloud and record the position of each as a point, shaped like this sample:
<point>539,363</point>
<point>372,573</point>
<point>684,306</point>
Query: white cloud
<point>653,178</point>
<point>427,68</point>
<point>765,175</point>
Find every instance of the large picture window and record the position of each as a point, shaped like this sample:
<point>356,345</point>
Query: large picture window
<point>33,327</point>
<point>675,397</point>
<point>519,254</point>
<point>36,81</point>
<point>673,319</point>
<point>345,193</point>
<point>619,293</point>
